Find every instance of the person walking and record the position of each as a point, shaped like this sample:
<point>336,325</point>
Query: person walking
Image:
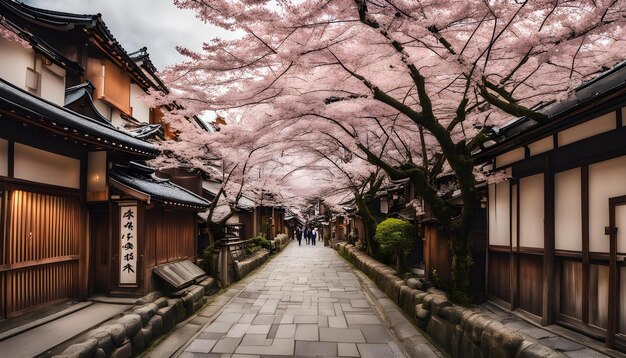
<point>307,234</point>
<point>313,236</point>
<point>299,236</point>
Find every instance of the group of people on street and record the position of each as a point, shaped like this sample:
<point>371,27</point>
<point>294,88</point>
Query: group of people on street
<point>310,235</point>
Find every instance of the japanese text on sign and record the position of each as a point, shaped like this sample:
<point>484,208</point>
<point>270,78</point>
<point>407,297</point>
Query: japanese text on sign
<point>128,245</point>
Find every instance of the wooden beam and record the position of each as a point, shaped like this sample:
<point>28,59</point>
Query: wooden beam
<point>584,188</point>
<point>548,304</point>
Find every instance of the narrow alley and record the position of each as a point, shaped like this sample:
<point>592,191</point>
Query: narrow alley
<point>305,302</point>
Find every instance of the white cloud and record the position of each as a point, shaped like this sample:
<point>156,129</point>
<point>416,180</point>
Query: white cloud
<point>156,24</point>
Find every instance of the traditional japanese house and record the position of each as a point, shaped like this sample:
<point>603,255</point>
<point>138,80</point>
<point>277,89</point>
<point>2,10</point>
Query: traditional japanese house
<point>557,226</point>
<point>79,214</point>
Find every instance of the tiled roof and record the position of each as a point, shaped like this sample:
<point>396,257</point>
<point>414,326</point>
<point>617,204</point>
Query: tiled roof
<point>51,115</point>
<point>141,178</point>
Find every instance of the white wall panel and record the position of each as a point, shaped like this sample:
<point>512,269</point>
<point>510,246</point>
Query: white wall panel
<point>606,180</point>
<point>53,84</point>
<point>531,211</point>
<point>44,167</point>
<point>503,214</point>
<point>493,222</point>
<point>4,157</point>
<point>510,157</point>
<point>620,223</point>
<point>541,146</point>
<point>141,111</point>
<point>514,215</point>
<point>15,58</point>
<point>587,129</point>
<point>568,210</point>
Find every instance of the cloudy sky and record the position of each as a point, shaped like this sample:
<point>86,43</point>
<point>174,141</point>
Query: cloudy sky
<point>156,24</point>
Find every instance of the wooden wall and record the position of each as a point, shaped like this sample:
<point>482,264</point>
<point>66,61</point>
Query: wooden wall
<point>170,236</point>
<point>40,242</point>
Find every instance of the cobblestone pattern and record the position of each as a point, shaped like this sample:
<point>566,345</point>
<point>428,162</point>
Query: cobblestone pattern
<point>305,302</point>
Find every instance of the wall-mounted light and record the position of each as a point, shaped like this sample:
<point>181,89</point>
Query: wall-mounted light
<point>96,176</point>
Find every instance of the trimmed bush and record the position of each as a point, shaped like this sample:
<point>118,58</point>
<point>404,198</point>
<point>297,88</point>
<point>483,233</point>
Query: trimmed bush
<point>395,236</point>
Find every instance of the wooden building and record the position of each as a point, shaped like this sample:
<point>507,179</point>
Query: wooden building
<point>79,214</point>
<point>557,227</point>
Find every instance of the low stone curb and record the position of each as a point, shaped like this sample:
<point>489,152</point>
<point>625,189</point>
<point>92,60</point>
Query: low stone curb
<point>244,267</point>
<point>151,316</point>
<point>459,331</point>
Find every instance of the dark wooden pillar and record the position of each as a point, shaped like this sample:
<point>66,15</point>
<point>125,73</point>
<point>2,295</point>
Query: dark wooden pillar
<point>549,294</point>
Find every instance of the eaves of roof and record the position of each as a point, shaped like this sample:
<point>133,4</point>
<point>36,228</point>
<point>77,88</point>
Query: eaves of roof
<point>91,24</point>
<point>52,116</point>
<point>602,89</point>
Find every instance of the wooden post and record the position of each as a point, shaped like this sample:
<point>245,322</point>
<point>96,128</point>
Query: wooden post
<point>549,294</point>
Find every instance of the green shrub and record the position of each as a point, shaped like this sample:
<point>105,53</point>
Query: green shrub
<point>260,241</point>
<point>207,259</point>
<point>395,236</point>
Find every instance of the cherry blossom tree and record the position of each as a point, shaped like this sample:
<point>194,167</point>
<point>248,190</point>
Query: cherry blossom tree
<point>412,87</point>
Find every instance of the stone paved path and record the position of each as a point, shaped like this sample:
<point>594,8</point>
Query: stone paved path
<point>305,302</point>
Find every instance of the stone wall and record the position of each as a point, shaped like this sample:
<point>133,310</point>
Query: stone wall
<point>459,331</point>
<point>279,242</point>
<point>244,267</point>
<point>150,317</point>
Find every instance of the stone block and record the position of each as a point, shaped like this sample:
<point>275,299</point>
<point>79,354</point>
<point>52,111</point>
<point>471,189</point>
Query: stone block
<point>125,351</point>
<point>497,341</point>
<point>161,302</point>
<point>131,323</point>
<point>452,314</point>
<point>150,297</point>
<point>168,317</point>
<point>146,312</point>
<point>82,350</point>
<point>412,282</point>
<point>535,350</point>
<point>442,332</point>
<point>116,331</point>
<point>147,333</point>
<point>157,325</point>
<point>138,344</point>
<point>105,342</point>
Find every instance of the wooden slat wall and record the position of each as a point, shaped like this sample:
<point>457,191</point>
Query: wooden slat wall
<point>172,234</point>
<point>41,244</point>
<point>40,286</point>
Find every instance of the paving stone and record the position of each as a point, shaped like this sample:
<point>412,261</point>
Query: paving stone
<point>316,349</point>
<point>226,345</point>
<point>341,335</point>
<point>201,346</point>
<point>307,332</point>
<point>305,319</point>
<point>347,350</point>
<point>218,327</point>
<point>259,329</point>
<point>374,333</point>
<point>337,322</point>
<point>286,331</point>
<point>361,319</point>
<point>229,317</point>
<point>263,319</point>
<point>279,347</point>
<point>376,351</point>
<point>256,340</point>
<point>238,330</point>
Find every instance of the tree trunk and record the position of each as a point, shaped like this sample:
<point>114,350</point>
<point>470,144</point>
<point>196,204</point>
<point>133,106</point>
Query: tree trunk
<point>369,224</point>
<point>460,250</point>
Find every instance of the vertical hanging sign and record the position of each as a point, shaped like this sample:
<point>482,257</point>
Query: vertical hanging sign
<point>128,245</point>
